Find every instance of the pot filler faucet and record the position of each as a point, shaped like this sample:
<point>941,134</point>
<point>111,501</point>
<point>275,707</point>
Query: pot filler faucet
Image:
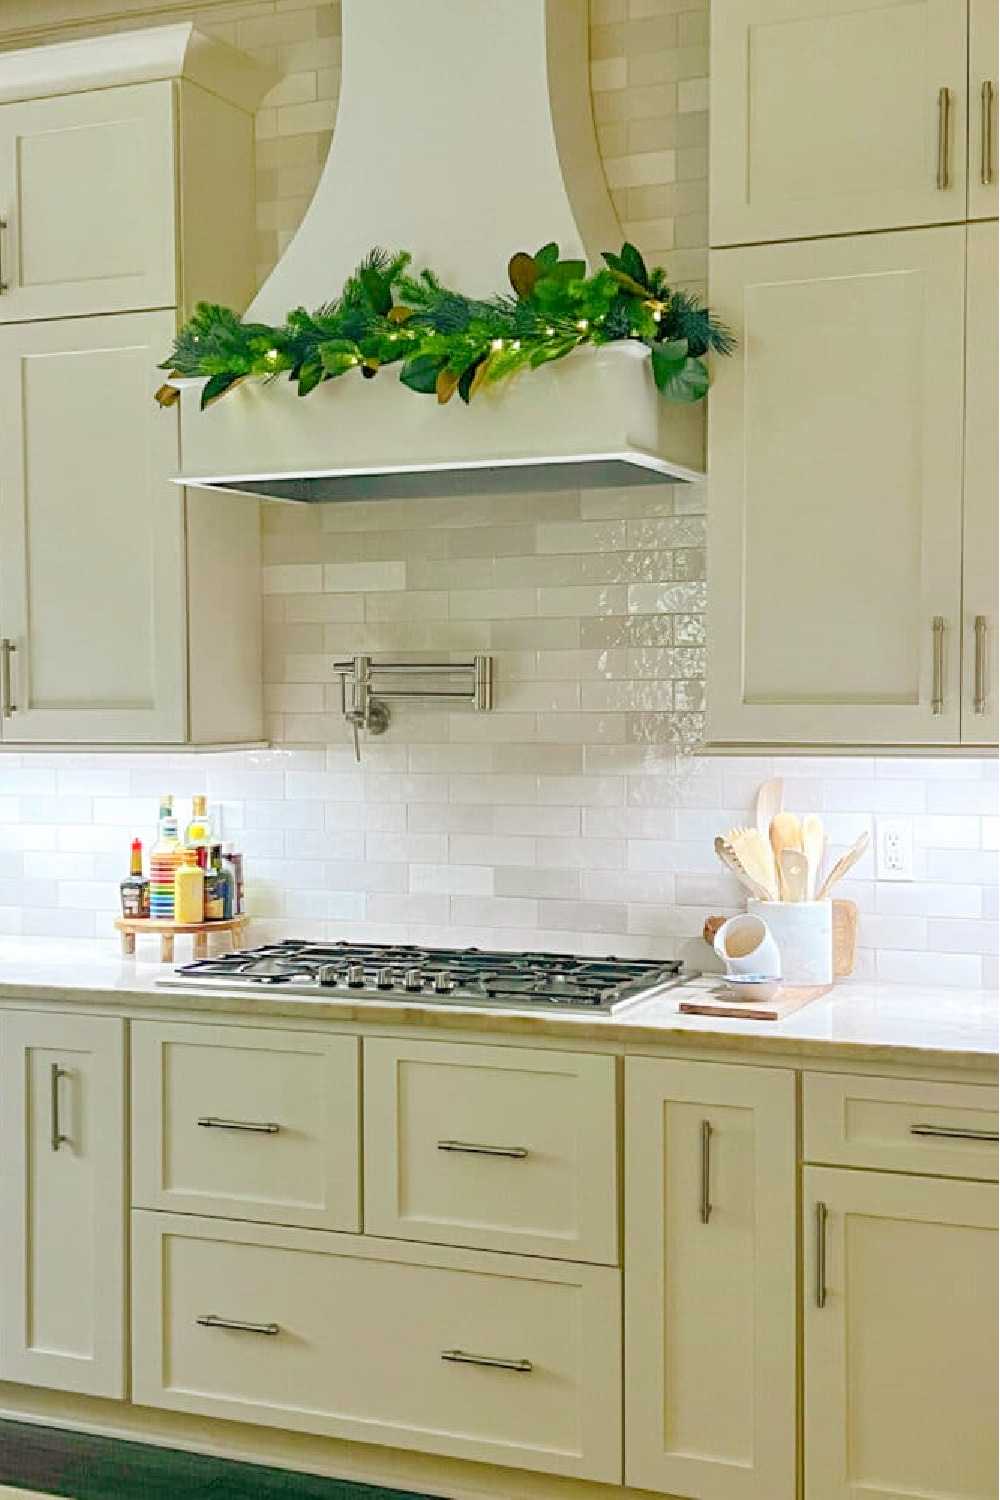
<point>364,707</point>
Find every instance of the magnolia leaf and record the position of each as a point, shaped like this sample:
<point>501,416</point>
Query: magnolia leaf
<point>369,367</point>
<point>689,383</point>
<point>479,376</point>
<point>421,373</point>
<point>399,314</point>
<point>566,271</point>
<point>337,356</point>
<point>668,361</point>
<point>446,385</point>
<point>524,272</point>
<point>555,349</point>
<point>627,284</point>
<point>168,395</point>
<point>216,386</point>
<point>633,264</point>
<point>467,378</point>
<point>547,256</point>
<point>310,375</point>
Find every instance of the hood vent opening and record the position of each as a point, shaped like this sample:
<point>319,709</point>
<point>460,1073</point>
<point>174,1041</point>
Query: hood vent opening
<point>464,133</point>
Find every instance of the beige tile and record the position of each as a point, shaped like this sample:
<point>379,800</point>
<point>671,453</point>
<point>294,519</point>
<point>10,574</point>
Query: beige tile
<point>643,170</point>
<point>607,41</point>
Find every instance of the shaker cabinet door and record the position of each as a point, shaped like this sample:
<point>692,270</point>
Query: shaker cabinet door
<point>835,511</point>
<point>900,1324</point>
<point>984,108</point>
<point>834,116</point>
<point>62,1181</point>
<point>981,540</point>
<point>87,203</point>
<point>92,578</point>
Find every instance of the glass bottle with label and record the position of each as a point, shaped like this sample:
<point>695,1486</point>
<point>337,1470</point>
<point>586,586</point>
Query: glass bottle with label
<point>198,833</point>
<point>189,889</point>
<point>215,886</point>
<point>163,861</point>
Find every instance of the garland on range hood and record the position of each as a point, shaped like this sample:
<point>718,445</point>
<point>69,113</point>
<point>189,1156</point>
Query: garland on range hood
<point>445,342</point>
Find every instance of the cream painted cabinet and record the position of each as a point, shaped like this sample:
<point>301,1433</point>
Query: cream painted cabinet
<point>710,1268</point>
<point>900,1337</point>
<point>981,540</point>
<point>984,107</point>
<point>835,461</point>
<point>833,116</point>
<point>62,1184</point>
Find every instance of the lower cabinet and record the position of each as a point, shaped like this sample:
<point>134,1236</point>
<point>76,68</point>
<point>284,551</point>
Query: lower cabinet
<point>900,1325</point>
<point>62,1201</point>
<point>710,1267</point>
<point>497,1358</point>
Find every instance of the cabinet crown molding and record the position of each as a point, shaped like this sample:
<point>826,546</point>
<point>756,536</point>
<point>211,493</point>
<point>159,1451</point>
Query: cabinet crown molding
<point>141,56</point>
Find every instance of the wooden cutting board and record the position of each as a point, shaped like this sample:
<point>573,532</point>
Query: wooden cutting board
<point>784,1003</point>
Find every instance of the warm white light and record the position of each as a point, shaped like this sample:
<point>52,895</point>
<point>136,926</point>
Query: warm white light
<point>583,325</point>
<point>496,345</point>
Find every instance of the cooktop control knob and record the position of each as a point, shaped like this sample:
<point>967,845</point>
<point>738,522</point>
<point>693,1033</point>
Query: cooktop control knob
<point>328,974</point>
<point>413,981</point>
<point>383,979</point>
<point>356,976</point>
<point>442,984</point>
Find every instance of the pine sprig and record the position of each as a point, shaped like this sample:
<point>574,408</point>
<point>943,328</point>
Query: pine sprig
<point>445,342</point>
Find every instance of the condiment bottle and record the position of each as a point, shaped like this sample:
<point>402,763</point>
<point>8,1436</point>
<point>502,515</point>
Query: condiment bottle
<point>163,861</point>
<point>198,834</point>
<point>231,873</point>
<point>135,890</point>
<point>189,889</point>
<point>215,886</point>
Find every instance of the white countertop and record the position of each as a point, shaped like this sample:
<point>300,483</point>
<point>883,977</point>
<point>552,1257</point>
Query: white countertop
<point>860,1021</point>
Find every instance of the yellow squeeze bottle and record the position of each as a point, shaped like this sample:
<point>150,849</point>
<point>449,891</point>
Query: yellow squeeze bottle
<point>189,889</point>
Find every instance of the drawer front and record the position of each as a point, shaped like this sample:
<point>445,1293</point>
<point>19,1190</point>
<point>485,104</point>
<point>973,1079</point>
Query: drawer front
<point>942,1129</point>
<point>485,1357</point>
<point>250,1124</point>
<point>499,1148</point>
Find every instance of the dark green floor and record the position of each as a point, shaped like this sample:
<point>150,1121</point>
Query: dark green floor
<point>83,1467</point>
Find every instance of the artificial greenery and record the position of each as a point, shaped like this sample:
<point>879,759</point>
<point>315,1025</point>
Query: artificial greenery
<point>445,342</point>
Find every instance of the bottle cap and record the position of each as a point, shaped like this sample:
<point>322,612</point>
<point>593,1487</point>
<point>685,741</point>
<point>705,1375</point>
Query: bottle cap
<point>189,856</point>
<point>198,805</point>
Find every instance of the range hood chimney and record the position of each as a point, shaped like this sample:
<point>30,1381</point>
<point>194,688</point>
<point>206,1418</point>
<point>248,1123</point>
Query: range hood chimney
<point>464,133</point>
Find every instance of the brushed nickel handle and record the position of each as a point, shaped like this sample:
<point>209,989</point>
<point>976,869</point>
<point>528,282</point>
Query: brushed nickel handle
<point>4,285</point>
<point>706,1170</point>
<point>821,1217</point>
<point>7,705</point>
<point>463,1357</point>
<point>937,687</point>
<point>954,1133</point>
<point>472,1148</point>
<point>944,122</point>
<point>210,1320</point>
<point>986,145</point>
<point>57,1137</point>
<point>263,1127</point>
<point>979,691</point>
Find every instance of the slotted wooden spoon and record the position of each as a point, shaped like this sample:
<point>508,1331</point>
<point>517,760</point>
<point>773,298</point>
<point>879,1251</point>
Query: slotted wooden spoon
<point>754,856</point>
<point>732,864</point>
<point>785,833</point>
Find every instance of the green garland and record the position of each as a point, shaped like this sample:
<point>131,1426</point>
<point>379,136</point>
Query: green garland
<point>446,342</point>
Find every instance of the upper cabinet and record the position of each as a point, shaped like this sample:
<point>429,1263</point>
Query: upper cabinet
<point>984,105</point>
<point>981,532</point>
<point>833,116</point>
<point>129,611</point>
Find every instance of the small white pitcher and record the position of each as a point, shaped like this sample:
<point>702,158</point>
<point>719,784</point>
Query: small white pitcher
<point>746,946</point>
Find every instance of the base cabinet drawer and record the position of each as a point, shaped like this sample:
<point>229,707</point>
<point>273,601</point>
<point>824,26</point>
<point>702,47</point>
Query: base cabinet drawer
<point>900,1125</point>
<point>246,1123</point>
<point>486,1357</point>
<point>497,1148</point>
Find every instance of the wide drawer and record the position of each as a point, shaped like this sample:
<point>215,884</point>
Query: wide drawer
<point>942,1129</point>
<point>501,1148</point>
<point>246,1123</point>
<point>486,1357</point>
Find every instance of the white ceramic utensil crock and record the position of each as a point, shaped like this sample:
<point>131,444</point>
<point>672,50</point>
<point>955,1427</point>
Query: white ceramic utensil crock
<point>803,931</point>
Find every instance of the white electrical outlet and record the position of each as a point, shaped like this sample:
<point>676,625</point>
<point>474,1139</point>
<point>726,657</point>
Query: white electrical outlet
<point>893,849</point>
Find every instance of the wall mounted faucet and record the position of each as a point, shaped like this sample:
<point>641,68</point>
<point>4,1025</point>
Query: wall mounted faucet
<point>364,707</point>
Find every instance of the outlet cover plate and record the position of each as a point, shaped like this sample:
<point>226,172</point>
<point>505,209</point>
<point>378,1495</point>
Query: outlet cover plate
<point>893,848</point>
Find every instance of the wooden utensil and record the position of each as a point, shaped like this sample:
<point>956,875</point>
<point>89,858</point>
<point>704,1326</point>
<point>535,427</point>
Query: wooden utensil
<point>844,863</point>
<point>769,802</point>
<point>785,833</point>
<point>728,858</point>
<point>845,937</point>
<point>754,857</point>
<point>794,875</point>
<point>813,845</point>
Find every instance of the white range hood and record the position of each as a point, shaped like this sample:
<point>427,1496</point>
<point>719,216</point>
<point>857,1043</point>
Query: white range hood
<point>464,133</point>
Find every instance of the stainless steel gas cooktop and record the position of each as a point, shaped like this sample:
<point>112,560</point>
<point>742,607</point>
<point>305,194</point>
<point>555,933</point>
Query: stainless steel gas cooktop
<point>450,976</point>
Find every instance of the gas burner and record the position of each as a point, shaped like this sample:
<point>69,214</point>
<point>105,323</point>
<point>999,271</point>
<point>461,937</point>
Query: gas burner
<point>454,976</point>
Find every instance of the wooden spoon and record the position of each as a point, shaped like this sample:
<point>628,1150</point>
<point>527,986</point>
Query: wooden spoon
<point>769,802</point>
<point>813,844</point>
<point>846,862</point>
<point>785,833</point>
<point>732,864</point>
<point>794,875</point>
<point>754,856</point>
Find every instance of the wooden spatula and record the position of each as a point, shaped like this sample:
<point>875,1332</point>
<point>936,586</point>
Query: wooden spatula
<point>794,875</point>
<point>813,844</point>
<point>785,833</point>
<point>731,863</point>
<point>844,863</point>
<point>754,856</point>
<point>769,802</point>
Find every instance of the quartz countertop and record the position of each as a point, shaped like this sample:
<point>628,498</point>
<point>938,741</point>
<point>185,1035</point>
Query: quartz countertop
<point>862,1021</point>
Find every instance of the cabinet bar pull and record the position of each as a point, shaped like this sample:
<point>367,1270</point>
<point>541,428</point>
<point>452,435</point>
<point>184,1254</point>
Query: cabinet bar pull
<point>706,1169</point>
<point>4,285</point>
<point>7,649</point>
<point>210,1320</point>
<point>986,157</point>
<point>979,691</point>
<point>937,687</point>
<point>463,1357</point>
<point>944,112</point>
<point>954,1133</point>
<point>263,1127</point>
<point>821,1255</point>
<point>55,1073</point>
<point>473,1149</point>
